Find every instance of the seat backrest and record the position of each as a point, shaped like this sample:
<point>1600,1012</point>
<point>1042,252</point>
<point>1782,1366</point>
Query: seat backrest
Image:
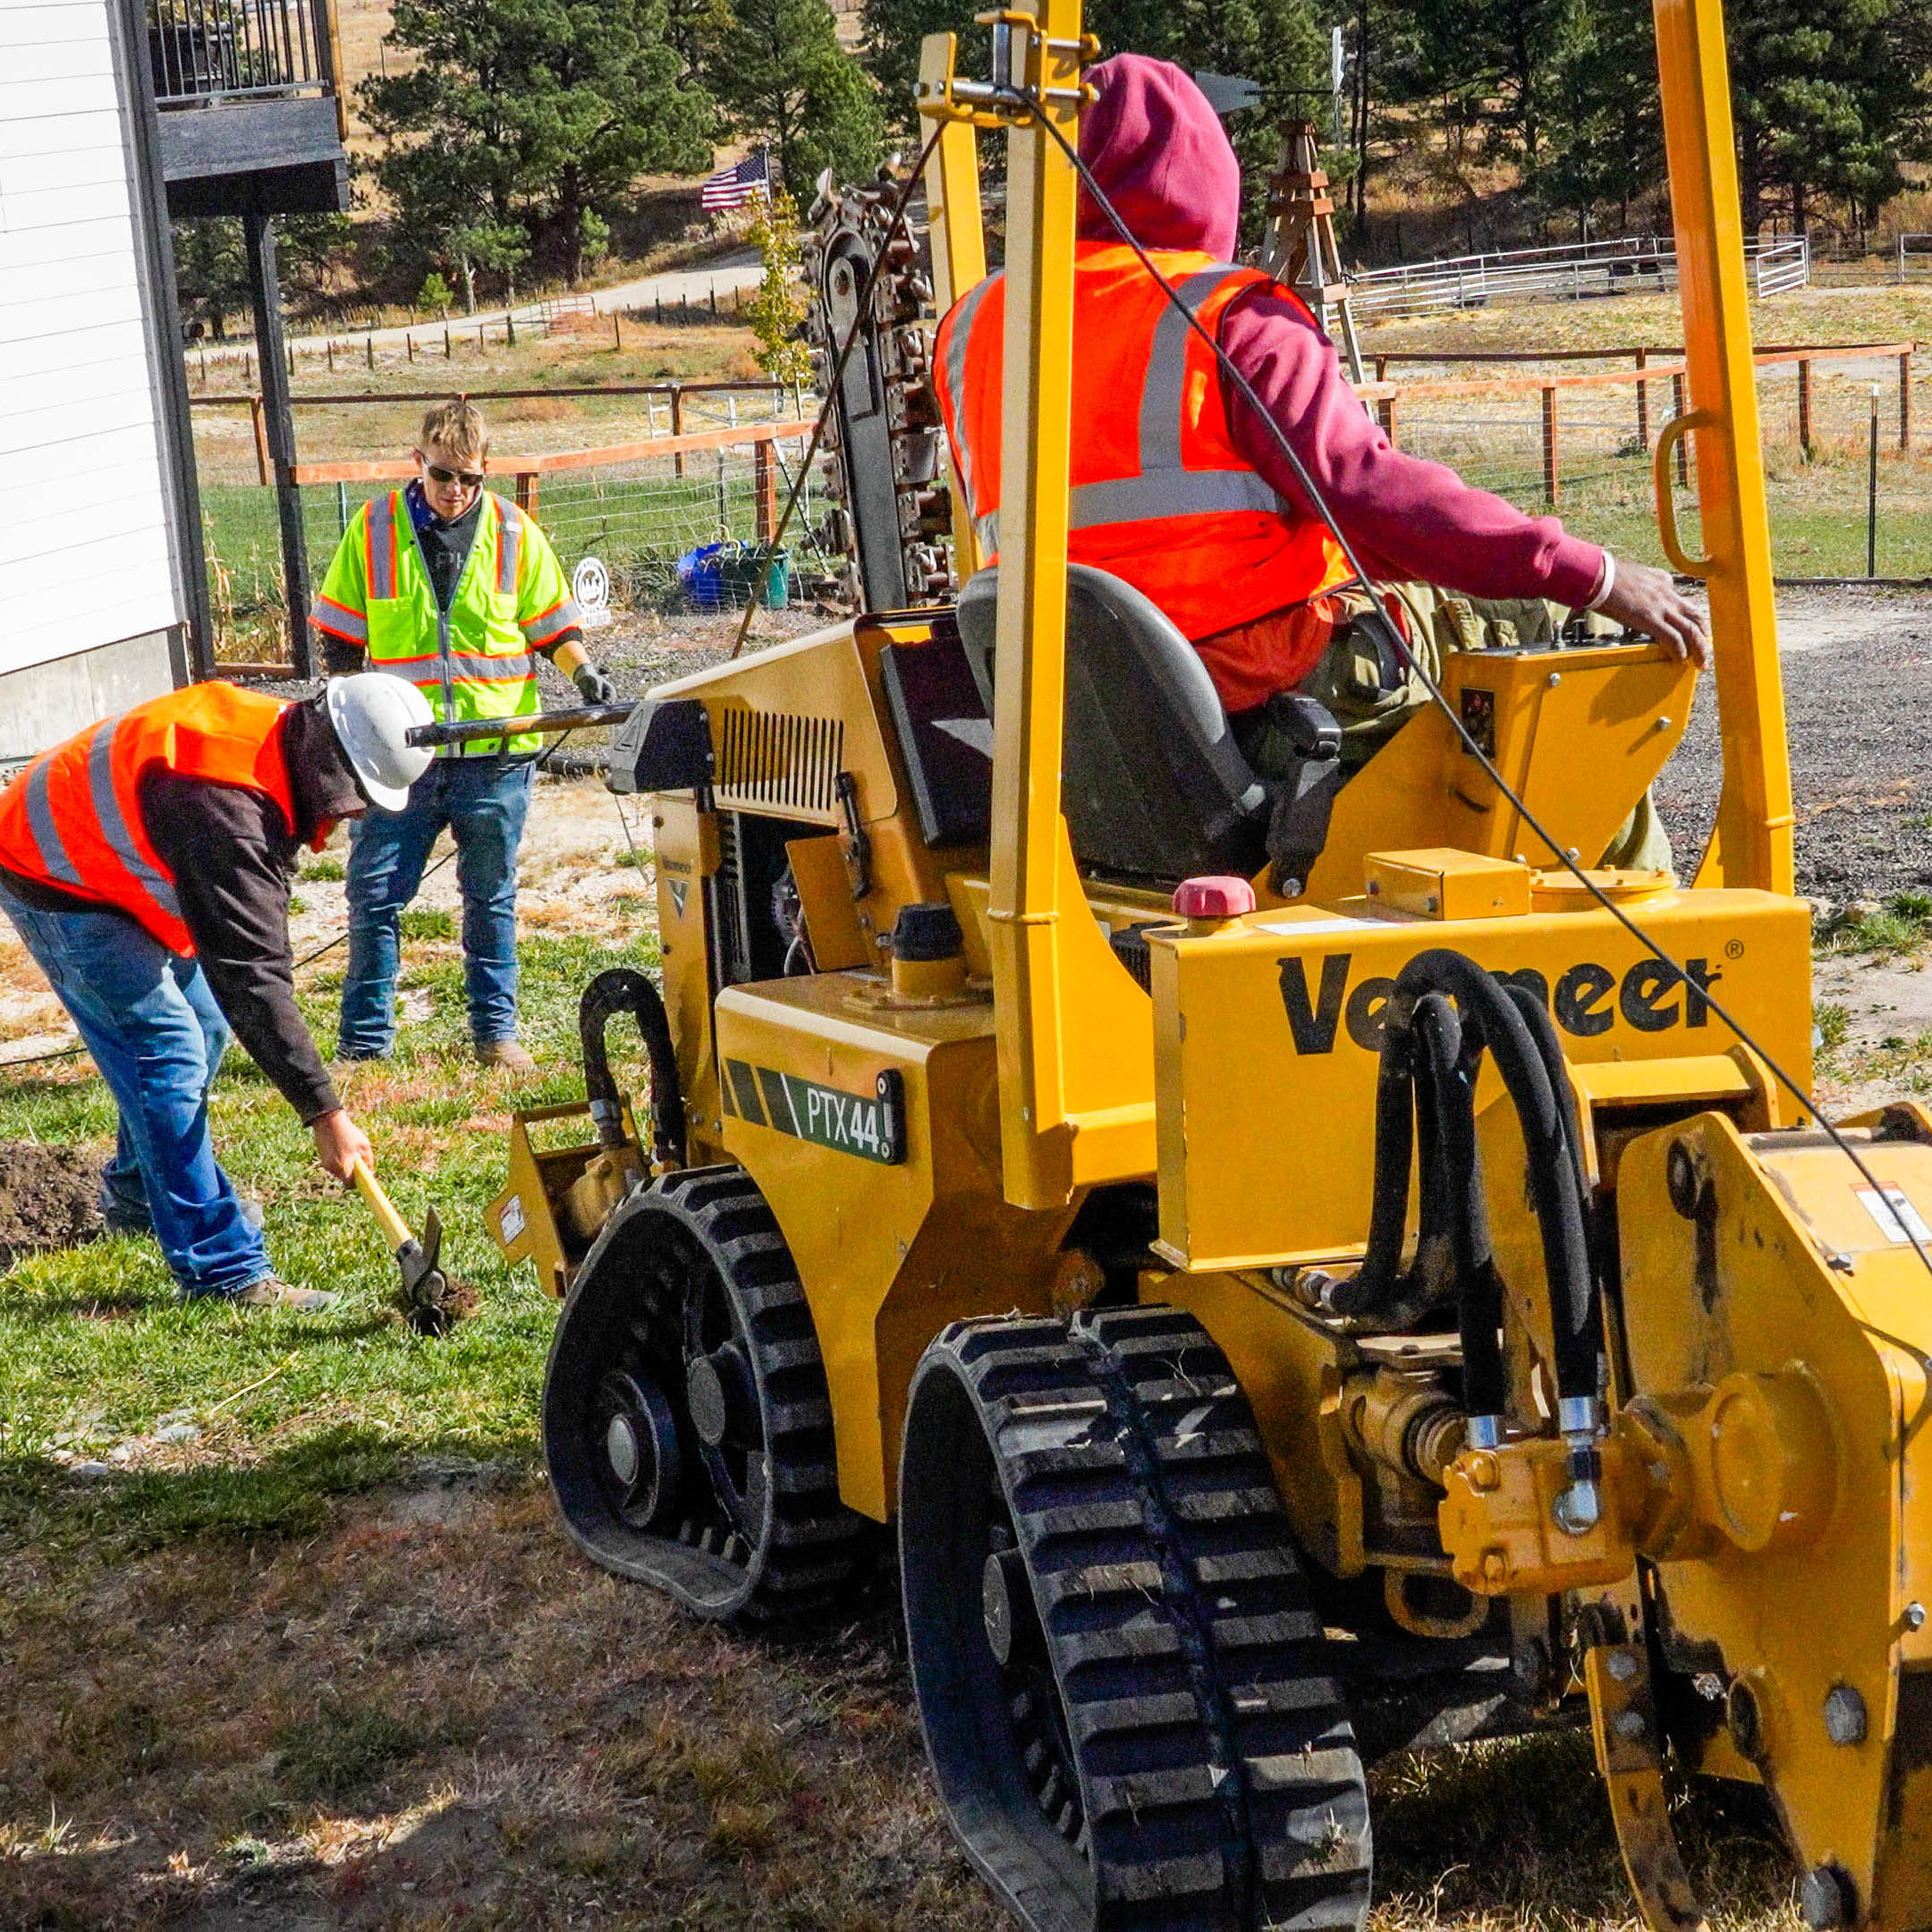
<point>1152,784</point>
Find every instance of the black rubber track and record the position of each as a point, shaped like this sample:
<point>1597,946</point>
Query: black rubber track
<point>797,1544</point>
<point>1218,1784</point>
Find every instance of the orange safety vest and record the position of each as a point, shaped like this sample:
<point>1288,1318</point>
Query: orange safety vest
<point>72,819</point>
<point>1161,496</point>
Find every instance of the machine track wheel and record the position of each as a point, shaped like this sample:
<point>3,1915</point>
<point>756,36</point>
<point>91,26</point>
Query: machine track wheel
<point>686,1422</point>
<point>1124,1692</point>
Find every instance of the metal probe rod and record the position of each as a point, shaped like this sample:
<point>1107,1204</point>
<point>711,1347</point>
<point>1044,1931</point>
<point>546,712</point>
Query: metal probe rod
<point>475,730</point>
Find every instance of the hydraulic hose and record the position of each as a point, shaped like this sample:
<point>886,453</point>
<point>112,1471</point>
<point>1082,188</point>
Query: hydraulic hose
<point>1435,1073</point>
<point>1450,1073</point>
<point>621,990</point>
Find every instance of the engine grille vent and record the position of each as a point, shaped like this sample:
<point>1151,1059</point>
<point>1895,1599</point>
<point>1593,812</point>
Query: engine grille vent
<point>779,759</point>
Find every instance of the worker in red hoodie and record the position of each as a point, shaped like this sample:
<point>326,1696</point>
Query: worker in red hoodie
<point>1181,490</point>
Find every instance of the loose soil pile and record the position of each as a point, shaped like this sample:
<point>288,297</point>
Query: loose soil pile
<point>47,1198</point>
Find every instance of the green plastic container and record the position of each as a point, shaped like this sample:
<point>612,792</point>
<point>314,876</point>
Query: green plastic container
<point>757,570</point>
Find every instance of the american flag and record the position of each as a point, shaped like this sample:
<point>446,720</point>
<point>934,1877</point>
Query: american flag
<point>749,180</point>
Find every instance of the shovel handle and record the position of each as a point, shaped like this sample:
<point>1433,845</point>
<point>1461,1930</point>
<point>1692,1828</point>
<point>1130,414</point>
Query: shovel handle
<point>371,1190</point>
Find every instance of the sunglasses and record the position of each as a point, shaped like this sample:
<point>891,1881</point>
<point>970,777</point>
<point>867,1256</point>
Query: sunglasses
<point>469,478</point>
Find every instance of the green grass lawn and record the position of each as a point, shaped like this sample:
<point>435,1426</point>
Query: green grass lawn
<point>291,1408</point>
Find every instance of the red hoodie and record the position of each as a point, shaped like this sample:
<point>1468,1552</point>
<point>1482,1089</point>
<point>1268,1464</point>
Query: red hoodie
<point>1160,156</point>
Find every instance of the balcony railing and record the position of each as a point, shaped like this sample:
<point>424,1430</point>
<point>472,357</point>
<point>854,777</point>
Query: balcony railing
<point>205,51</point>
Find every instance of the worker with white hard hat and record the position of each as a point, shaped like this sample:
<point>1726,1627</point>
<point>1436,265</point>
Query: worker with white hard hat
<point>145,865</point>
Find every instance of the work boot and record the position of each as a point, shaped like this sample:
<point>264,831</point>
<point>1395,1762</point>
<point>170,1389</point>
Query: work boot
<point>270,1293</point>
<point>509,1056</point>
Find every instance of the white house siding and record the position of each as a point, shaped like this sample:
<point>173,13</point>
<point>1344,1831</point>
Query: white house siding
<point>87,545</point>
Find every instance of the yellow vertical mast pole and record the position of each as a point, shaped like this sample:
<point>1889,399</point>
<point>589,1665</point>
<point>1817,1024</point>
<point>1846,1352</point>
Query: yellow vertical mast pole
<point>957,225</point>
<point>1752,844</point>
<point>1030,675</point>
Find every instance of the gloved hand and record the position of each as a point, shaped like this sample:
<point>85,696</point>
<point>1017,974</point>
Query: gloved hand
<point>596,684</point>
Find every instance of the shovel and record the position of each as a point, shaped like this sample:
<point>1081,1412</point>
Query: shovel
<point>426,1297</point>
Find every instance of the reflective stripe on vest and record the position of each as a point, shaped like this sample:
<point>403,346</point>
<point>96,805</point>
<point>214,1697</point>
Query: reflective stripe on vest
<point>70,821</point>
<point>409,636</point>
<point>1183,516</point>
<point>381,576</point>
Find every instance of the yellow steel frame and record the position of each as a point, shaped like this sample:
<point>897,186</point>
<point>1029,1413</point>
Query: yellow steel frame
<point>1054,1083</point>
<point>1752,844</point>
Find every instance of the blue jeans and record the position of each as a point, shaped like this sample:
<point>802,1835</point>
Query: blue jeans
<point>483,804</point>
<point>150,1022</point>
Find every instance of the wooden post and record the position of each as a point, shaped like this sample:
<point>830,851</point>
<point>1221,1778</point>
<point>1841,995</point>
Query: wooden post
<point>1386,413</point>
<point>1643,404</point>
<point>258,416</point>
<point>1905,403</point>
<point>330,349</point>
<point>292,360</point>
<point>258,240</point>
<point>1381,368</point>
<point>481,344</point>
<point>1551,475</point>
<point>368,344</point>
<point>1683,442</point>
<point>448,350</point>
<point>529,483</point>
<point>616,329</point>
<point>660,311</point>
<point>409,342</point>
<point>765,488</point>
<point>714,301</point>
<point>677,424</point>
<point>248,368</point>
<point>509,323</point>
<point>1804,404</point>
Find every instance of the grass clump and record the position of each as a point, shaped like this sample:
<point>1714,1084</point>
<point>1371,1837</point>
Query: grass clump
<point>1899,924</point>
<point>429,922</point>
<point>341,1749</point>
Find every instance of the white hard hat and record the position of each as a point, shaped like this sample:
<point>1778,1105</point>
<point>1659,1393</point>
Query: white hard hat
<point>372,713</point>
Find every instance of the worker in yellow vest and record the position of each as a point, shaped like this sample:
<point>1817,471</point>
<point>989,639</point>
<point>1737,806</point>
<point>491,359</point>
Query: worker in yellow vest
<point>454,589</point>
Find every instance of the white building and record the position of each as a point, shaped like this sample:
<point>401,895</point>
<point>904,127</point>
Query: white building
<point>109,111</point>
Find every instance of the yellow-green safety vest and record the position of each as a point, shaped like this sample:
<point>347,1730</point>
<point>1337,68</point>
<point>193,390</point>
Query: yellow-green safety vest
<point>475,660</point>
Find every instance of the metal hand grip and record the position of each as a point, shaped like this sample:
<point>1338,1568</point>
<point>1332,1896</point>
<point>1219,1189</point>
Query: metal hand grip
<point>1667,440</point>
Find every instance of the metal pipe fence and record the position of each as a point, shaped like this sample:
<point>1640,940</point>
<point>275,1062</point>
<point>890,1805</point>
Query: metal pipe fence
<point>1628,264</point>
<point>1547,439</point>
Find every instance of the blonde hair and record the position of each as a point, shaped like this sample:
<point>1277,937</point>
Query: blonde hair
<point>457,428</point>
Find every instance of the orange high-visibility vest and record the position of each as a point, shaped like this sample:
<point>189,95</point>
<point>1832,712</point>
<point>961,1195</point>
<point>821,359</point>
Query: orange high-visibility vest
<point>1161,496</point>
<point>72,819</point>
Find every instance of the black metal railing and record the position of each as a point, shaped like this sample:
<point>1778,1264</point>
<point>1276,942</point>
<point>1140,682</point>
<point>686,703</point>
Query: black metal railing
<point>211,50</point>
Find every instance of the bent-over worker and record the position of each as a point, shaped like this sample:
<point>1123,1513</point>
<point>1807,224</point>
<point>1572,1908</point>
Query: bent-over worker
<point>1179,489</point>
<point>453,587</point>
<point>145,865</point>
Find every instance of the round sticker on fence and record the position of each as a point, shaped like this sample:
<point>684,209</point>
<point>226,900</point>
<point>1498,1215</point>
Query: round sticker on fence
<point>590,586</point>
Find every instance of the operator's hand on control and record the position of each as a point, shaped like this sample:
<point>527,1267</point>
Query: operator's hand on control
<point>340,1144</point>
<point>595,684</point>
<point>1648,600</point>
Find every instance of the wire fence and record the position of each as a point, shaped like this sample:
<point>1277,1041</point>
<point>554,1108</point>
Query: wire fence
<point>1546,439</point>
<point>634,508</point>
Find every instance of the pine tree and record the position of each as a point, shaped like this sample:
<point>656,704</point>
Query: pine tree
<point>780,74</point>
<point>531,113</point>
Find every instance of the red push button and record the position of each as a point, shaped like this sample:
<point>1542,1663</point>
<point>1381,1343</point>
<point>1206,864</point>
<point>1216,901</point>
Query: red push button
<point>1214,898</point>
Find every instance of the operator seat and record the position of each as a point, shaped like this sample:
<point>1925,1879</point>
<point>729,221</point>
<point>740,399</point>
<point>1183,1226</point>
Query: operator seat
<point>1152,784</point>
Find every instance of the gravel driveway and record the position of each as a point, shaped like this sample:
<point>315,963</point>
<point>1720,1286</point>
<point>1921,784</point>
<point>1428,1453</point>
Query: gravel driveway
<point>1857,678</point>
